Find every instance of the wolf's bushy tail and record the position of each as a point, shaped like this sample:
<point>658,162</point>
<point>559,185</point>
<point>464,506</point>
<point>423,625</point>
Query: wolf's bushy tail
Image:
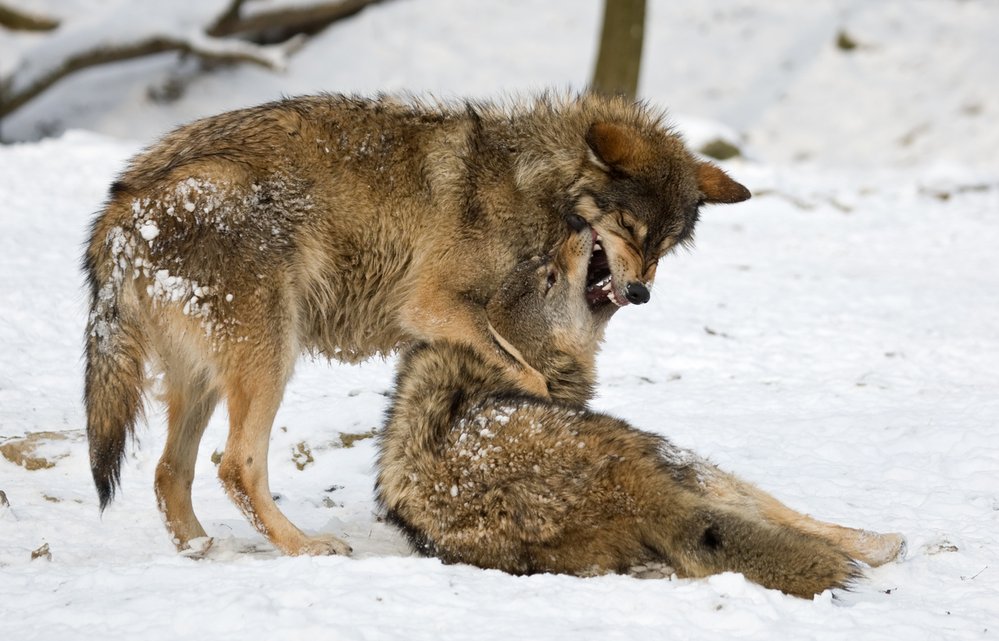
<point>778,557</point>
<point>115,367</point>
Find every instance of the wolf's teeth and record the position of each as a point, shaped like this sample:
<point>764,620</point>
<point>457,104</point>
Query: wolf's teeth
<point>597,246</point>
<point>603,284</point>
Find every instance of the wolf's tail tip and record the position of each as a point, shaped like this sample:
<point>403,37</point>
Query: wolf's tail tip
<point>106,488</point>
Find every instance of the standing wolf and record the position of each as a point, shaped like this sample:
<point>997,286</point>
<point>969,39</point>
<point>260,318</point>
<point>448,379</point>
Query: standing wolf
<point>345,227</point>
<point>479,472</point>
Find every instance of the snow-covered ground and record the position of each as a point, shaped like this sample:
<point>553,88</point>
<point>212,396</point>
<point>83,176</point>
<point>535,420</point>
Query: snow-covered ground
<point>833,340</point>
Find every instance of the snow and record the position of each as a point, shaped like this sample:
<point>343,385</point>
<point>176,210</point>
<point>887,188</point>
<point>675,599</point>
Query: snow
<point>832,340</point>
<point>149,230</point>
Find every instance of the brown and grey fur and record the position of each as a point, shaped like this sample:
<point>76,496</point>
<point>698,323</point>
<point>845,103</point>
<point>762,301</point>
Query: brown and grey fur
<point>346,227</point>
<point>479,472</point>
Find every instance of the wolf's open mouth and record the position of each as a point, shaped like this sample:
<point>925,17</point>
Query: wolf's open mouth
<point>599,282</point>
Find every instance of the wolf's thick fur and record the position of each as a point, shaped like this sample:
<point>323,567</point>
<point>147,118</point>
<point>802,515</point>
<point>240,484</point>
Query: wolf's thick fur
<point>478,472</point>
<point>345,227</point>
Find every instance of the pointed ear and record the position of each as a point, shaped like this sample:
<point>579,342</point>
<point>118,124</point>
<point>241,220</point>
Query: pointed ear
<point>717,187</point>
<point>614,145</point>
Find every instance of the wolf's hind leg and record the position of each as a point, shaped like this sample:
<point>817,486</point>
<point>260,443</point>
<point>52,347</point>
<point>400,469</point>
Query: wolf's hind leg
<point>253,399</point>
<point>190,403</point>
<point>872,548</point>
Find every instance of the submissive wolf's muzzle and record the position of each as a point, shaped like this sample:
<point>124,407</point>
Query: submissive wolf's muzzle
<point>637,293</point>
<point>576,222</point>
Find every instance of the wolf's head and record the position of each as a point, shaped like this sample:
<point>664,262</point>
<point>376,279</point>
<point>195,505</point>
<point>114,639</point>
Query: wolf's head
<point>640,190</point>
<point>542,314</point>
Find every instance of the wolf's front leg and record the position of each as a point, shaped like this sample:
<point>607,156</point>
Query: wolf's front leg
<point>435,313</point>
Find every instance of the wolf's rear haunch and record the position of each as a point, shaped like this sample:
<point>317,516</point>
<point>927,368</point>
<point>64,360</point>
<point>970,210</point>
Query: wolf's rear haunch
<point>115,371</point>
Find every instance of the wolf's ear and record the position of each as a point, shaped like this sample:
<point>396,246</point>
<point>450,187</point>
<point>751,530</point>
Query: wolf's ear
<point>717,187</point>
<point>615,146</point>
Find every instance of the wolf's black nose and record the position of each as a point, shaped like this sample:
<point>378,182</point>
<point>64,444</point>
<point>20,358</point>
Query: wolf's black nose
<point>576,222</point>
<point>637,293</point>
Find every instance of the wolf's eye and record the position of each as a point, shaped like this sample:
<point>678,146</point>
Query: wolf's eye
<point>625,225</point>
<point>552,279</point>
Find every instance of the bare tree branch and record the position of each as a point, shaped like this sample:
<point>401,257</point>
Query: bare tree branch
<point>273,57</point>
<point>306,19</point>
<point>18,20</point>
<point>69,51</point>
<point>228,17</point>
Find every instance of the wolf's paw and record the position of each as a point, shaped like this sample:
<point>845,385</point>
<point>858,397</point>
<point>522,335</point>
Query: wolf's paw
<point>652,570</point>
<point>196,548</point>
<point>879,549</point>
<point>899,546</point>
<point>324,545</point>
<point>532,382</point>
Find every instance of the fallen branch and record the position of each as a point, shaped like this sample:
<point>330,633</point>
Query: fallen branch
<point>229,37</point>
<point>277,24</point>
<point>18,20</point>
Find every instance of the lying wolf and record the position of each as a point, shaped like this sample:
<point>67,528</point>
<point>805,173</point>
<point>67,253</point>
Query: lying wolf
<point>346,227</point>
<point>478,472</point>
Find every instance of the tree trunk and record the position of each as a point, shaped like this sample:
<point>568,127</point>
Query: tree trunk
<point>620,53</point>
